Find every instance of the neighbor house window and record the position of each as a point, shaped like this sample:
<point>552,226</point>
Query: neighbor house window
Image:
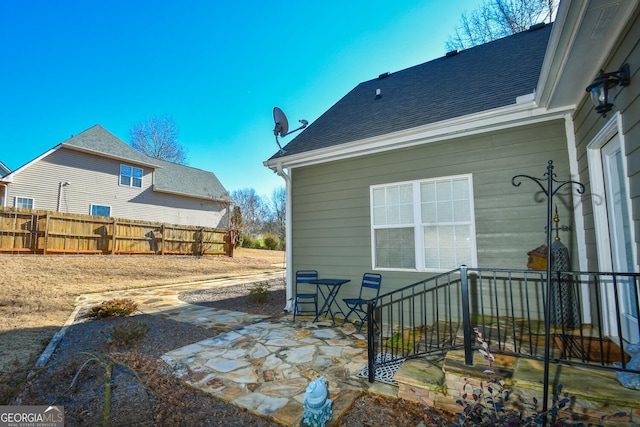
<point>423,225</point>
<point>100,210</point>
<point>130,176</point>
<point>24,202</point>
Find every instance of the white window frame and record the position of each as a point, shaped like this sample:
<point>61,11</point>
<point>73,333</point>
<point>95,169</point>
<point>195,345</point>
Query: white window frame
<point>15,202</point>
<point>610,131</point>
<point>418,226</point>
<point>130,176</point>
<point>100,206</point>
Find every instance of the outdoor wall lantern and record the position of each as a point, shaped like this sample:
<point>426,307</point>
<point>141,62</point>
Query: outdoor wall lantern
<point>606,87</point>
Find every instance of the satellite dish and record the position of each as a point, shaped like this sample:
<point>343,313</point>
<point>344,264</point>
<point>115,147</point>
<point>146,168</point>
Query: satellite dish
<point>282,126</point>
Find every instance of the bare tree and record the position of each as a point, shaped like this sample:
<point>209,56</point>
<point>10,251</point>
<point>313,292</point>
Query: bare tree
<point>253,209</point>
<point>499,18</point>
<point>236,225</point>
<point>277,212</point>
<point>158,137</point>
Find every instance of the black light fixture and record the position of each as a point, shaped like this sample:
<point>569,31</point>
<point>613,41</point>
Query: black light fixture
<point>606,87</point>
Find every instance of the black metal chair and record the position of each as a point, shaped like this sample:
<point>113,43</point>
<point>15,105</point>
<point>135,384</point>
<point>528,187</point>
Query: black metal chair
<point>304,294</point>
<point>370,289</point>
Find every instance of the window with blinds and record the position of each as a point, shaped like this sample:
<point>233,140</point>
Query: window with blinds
<point>425,225</point>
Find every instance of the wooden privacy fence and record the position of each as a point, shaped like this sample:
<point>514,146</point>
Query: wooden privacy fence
<point>45,232</point>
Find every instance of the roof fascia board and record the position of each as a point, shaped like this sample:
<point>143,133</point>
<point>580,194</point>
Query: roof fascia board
<point>568,44</point>
<point>10,177</point>
<point>563,36</point>
<point>497,119</point>
<point>3,166</point>
<point>191,196</point>
<point>109,156</point>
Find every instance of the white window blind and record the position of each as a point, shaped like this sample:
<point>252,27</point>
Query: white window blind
<point>423,225</point>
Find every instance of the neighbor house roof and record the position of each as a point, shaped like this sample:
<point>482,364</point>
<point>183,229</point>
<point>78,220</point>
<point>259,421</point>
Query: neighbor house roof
<point>179,179</point>
<point>168,177</point>
<point>98,140</point>
<point>478,79</point>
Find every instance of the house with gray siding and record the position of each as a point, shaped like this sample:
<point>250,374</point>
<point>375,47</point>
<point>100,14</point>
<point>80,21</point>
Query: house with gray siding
<point>410,173</point>
<point>96,173</point>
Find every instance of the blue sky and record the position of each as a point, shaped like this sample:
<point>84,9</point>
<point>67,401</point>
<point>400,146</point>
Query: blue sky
<point>217,68</point>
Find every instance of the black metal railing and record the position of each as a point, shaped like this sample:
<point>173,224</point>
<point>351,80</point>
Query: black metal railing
<point>416,320</point>
<point>589,313</point>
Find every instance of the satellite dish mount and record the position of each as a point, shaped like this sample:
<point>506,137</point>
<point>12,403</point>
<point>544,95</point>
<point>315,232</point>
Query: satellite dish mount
<point>282,126</point>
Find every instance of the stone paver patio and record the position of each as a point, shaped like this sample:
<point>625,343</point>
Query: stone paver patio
<point>259,363</point>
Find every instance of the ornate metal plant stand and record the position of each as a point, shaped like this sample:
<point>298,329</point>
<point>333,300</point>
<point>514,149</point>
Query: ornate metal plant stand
<point>549,191</point>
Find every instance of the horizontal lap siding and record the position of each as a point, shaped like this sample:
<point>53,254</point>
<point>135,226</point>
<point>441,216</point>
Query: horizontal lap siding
<point>587,124</point>
<point>94,179</point>
<point>331,207</point>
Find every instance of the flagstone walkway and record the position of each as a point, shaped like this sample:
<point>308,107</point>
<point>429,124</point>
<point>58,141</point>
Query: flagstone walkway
<point>263,364</point>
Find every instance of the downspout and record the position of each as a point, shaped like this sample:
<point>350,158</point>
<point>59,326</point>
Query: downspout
<point>59,196</point>
<point>289,276</point>
<point>61,187</point>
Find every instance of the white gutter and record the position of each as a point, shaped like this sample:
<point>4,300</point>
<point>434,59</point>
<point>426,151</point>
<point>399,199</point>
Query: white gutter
<point>289,276</point>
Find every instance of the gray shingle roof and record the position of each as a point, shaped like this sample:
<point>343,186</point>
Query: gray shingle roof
<point>477,79</point>
<point>168,176</point>
<point>100,141</point>
<point>176,178</point>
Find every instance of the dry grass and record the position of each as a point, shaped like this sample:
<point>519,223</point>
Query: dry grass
<point>38,293</point>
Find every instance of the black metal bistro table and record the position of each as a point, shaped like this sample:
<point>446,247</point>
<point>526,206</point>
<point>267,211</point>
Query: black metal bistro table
<point>329,290</point>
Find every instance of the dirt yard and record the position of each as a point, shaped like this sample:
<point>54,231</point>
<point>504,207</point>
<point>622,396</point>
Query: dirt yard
<point>38,295</point>
<point>38,292</point>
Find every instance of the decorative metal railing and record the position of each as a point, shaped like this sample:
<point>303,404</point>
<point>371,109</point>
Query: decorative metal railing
<point>589,313</point>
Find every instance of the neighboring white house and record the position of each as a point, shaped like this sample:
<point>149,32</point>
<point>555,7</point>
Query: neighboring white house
<point>96,173</point>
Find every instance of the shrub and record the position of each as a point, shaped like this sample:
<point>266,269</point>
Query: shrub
<point>247,241</point>
<point>259,292</point>
<point>258,244</point>
<point>128,332</point>
<point>486,405</point>
<point>113,308</point>
<point>271,241</point>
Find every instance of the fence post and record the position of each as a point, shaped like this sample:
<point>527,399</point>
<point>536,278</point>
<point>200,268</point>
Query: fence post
<point>46,235</point>
<point>113,237</point>
<point>162,232</point>
<point>231,246</point>
<point>371,342</point>
<point>466,317</point>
